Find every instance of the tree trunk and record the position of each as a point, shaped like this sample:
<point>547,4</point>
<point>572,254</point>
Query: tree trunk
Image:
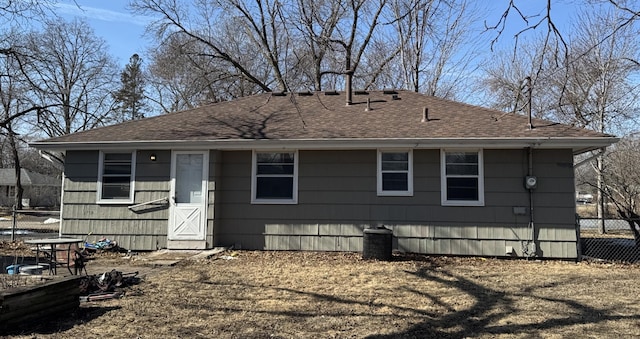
<point>634,223</point>
<point>16,165</point>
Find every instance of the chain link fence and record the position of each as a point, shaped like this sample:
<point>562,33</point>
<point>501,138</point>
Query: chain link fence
<point>23,225</point>
<point>614,242</point>
<point>28,224</point>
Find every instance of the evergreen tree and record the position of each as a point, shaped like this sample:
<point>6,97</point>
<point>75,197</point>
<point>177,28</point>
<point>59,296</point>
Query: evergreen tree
<point>130,97</point>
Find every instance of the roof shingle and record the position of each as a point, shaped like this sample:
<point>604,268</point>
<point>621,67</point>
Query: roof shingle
<point>320,116</point>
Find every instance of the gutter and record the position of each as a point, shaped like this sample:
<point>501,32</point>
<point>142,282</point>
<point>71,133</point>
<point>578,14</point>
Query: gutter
<point>578,145</point>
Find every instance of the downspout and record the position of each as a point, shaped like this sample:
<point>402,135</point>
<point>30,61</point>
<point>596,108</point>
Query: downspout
<point>531,252</point>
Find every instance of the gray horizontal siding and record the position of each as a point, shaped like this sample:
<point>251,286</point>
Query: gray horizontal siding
<point>337,194</point>
<point>141,228</point>
<point>337,199</point>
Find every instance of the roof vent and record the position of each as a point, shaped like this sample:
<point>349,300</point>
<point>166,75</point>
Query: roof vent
<point>368,105</point>
<point>279,94</point>
<point>331,93</point>
<point>425,114</point>
<point>389,92</point>
<point>305,94</point>
<point>361,93</point>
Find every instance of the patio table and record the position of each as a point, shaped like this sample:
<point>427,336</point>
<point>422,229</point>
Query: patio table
<point>51,246</point>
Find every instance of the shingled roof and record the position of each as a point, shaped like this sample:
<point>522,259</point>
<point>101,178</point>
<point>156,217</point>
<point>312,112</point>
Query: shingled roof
<point>27,178</point>
<point>322,119</point>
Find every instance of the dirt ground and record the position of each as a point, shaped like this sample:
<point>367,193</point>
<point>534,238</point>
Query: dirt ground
<point>249,294</point>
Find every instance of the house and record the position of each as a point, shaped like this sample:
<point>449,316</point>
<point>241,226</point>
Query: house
<point>39,190</point>
<point>311,171</point>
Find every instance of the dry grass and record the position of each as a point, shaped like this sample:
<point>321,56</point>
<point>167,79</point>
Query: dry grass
<point>338,295</point>
<point>586,210</point>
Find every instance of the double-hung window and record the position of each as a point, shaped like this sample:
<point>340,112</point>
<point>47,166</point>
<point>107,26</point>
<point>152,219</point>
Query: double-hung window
<point>395,175</point>
<point>462,178</point>
<point>116,177</point>
<point>274,178</point>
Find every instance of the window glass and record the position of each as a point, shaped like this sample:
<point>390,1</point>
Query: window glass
<point>462,189</point>
<point>275,176</point>
<point>274,188</point>
<point>462,178</point>
<point>188,186</point>
<point>394,182</point>
<point>394,173</point>
<point>116,176</point>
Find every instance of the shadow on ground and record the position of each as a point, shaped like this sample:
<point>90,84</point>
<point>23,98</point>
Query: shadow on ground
<point>63,322</point>
<point>490,306</point>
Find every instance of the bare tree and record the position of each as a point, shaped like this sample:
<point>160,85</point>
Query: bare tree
<point>200,23</point>
<point>354,36</point>
<point>181,77</point>
<point>74,73</point>
<point>623,182</point>
<point>436,45</point>
<point>16,103</point>
<point>263,24</point>
<point>598,88</point>
<point>315,22</point>
<point>512,81</point>
<point>589,84</point>
<point>627,11</point>
<point>12,89</point>
<point>265,45</point>
<point>20,14</point>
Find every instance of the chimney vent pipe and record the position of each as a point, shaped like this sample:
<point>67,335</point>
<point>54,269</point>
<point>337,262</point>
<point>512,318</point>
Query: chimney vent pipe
<point>348,85</point>
<point>425,114</point>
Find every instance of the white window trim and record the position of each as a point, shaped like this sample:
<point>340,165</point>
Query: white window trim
<point>443,179</point>
<point>409,191</point>
<point>254,171</point>
<point>99,199</point>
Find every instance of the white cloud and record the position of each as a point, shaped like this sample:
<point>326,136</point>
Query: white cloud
<point>101,14</point>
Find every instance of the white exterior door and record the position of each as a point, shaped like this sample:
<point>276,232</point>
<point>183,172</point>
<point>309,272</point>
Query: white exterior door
<point>188,197</point>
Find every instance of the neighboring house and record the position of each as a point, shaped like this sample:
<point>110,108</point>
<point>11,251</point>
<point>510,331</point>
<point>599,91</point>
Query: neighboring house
<point>306,171</point>
<point>39,190</point>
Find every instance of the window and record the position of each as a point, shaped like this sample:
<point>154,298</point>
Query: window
<point>275,177</point>
<point>11,191</point>
<point>462,178</point>
<point>116,181</point>
<point>395,175</point>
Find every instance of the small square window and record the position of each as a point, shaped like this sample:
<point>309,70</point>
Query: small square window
<point>395,177</point>
<point>274,178</point>
<point>462,178</point>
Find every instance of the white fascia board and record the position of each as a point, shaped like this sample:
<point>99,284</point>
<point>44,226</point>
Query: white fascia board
<point>579,145</point>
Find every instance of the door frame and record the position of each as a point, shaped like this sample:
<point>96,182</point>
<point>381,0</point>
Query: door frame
<point>205,196</point>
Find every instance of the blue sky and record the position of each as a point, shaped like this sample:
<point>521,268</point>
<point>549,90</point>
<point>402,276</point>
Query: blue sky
<point>111,21</point>
<point>124,32</point>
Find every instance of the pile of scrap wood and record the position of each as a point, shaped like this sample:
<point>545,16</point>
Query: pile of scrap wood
<point>108,285</point>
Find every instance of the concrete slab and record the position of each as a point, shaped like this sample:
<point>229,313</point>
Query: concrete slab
<point>208,253</point>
